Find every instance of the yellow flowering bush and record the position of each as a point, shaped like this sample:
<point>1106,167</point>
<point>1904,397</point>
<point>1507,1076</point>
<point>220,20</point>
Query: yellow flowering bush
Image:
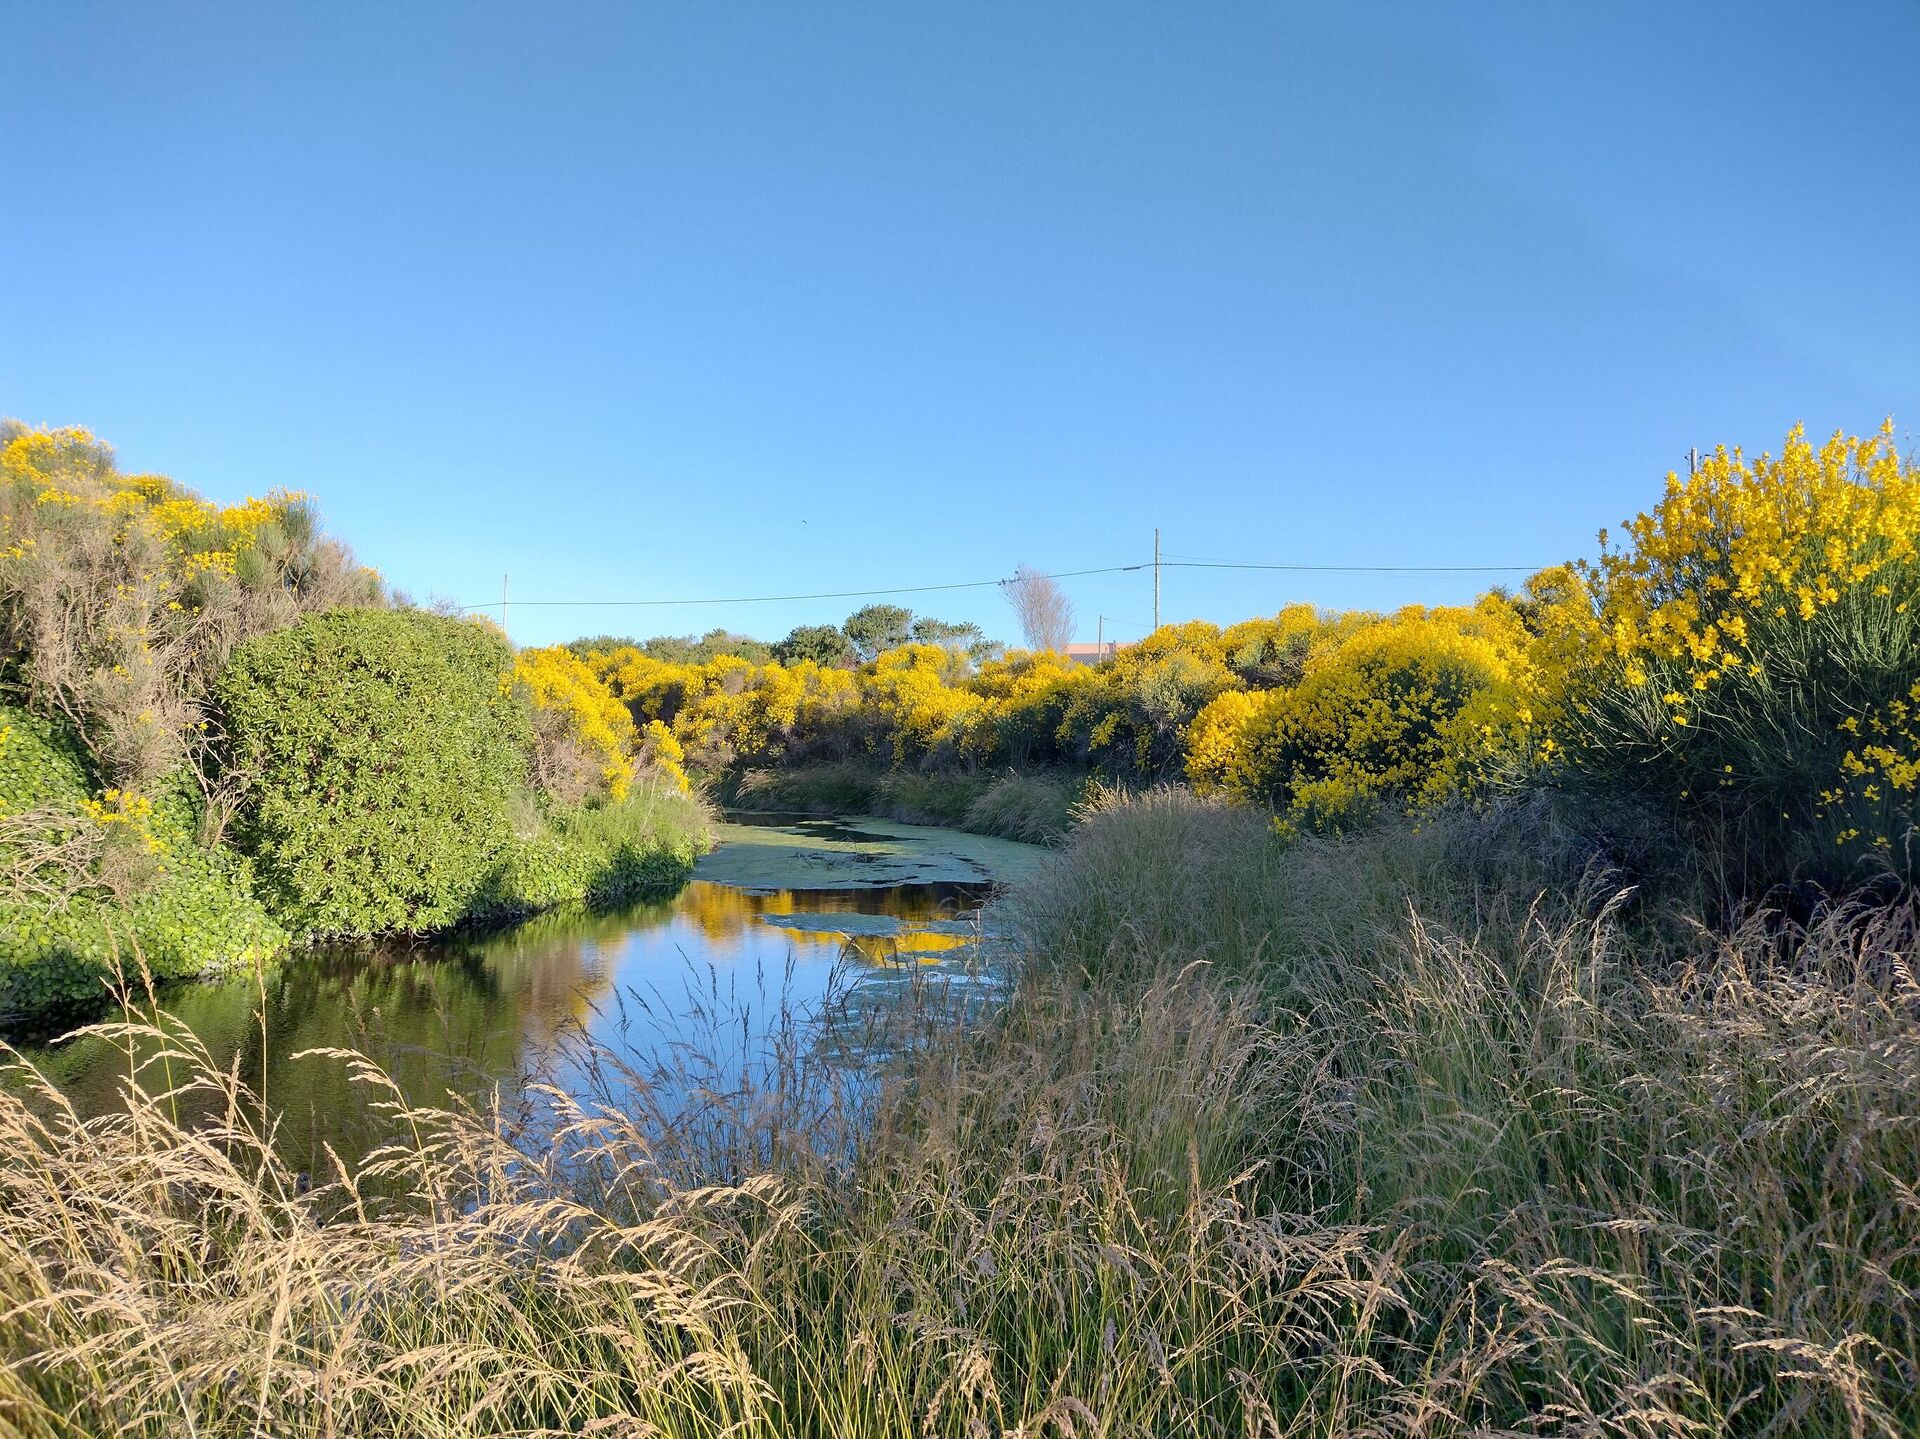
<point>1132,718</point>
<point>1399,708</point>
<point>661,753</point>
<point>1219,760</point>
<point>1272,653</point>
<point>1751,659</point>
<point>1025,700</point>
<point>913,710</point>
<point>728,709</point>
<point>584,737</point>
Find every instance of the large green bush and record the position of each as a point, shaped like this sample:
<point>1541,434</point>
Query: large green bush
<point>382,750</point>
<point>89,890</point>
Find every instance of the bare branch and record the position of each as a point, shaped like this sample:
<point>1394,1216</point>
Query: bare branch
<point>1042,607</point>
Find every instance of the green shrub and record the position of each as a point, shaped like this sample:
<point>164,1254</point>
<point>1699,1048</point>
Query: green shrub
<point>382,750</point>
<point>606,855</point>
<point>1024,807</point>
<point>85,897</point>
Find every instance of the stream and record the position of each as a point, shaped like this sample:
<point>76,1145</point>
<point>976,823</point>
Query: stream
<point>784,912</point>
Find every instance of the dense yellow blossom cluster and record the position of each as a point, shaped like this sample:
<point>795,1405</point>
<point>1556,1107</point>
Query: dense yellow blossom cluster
<point>1404,706</point>
<point>580,706</point>
<point>1751,646</point>
<point>1743,542</point>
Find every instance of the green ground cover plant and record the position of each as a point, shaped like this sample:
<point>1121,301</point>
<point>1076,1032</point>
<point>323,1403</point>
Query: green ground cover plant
<point>91,886</point>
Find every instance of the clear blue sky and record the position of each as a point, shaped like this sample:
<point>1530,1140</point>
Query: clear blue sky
<point>653,302</point>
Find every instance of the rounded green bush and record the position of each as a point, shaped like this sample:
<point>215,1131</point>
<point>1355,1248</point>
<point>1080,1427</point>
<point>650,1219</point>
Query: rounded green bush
<point>382,750</point>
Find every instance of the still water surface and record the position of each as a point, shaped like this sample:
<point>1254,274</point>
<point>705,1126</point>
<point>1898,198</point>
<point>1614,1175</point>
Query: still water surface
<point>783,907</point>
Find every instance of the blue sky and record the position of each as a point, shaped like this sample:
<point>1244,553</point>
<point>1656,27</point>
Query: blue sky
<point>639,302</point>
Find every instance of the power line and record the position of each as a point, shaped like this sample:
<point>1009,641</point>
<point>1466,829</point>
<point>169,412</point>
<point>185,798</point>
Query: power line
<point>830,595</point>
<point>1172,564</point>
<point>1355,569</point>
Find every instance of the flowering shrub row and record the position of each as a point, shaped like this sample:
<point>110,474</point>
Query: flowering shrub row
<point>1745,659</point>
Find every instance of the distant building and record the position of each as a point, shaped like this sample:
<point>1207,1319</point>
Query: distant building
<point>1085,654</point>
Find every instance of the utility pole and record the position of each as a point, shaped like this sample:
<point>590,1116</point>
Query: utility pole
<point>503,610</point>
<point>1100,641</point>
<point>1156,578</point>
<point>1693,461</point>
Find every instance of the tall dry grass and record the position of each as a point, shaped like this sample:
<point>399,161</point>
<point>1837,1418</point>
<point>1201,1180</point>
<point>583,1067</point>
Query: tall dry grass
<point>1415,1135</point>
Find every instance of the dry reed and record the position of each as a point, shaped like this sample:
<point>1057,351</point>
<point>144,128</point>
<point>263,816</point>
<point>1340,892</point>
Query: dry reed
<point>1411,1135</point>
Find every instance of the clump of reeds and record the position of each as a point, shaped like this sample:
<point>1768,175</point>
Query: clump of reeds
<point>1036,808</point>
<point>1400,1136</point>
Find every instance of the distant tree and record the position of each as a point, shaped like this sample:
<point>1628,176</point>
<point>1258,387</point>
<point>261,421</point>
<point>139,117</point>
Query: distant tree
<point>964,638</point>
<point>926,630</point>
<point>683,649</point>
<point>823,644</point>
<point>1042,607</point>
<point>588,644</point>
<point>878,628</point>
<point>717,642</point>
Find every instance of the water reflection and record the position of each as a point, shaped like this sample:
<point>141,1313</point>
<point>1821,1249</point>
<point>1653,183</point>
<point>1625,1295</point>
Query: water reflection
<point>475,1016</point>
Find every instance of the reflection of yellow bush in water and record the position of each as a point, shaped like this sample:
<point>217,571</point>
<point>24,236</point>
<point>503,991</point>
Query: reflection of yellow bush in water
<point>910,946</point>
<point>723,912</point>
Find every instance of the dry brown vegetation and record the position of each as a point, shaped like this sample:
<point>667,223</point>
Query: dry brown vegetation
<point>1429,1133</point>
<point>122,596</point>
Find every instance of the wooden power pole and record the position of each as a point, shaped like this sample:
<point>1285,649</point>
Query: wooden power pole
<point>1156,579</point>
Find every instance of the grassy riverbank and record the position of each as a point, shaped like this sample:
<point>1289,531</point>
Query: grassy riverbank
<point>1427,1132</point>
